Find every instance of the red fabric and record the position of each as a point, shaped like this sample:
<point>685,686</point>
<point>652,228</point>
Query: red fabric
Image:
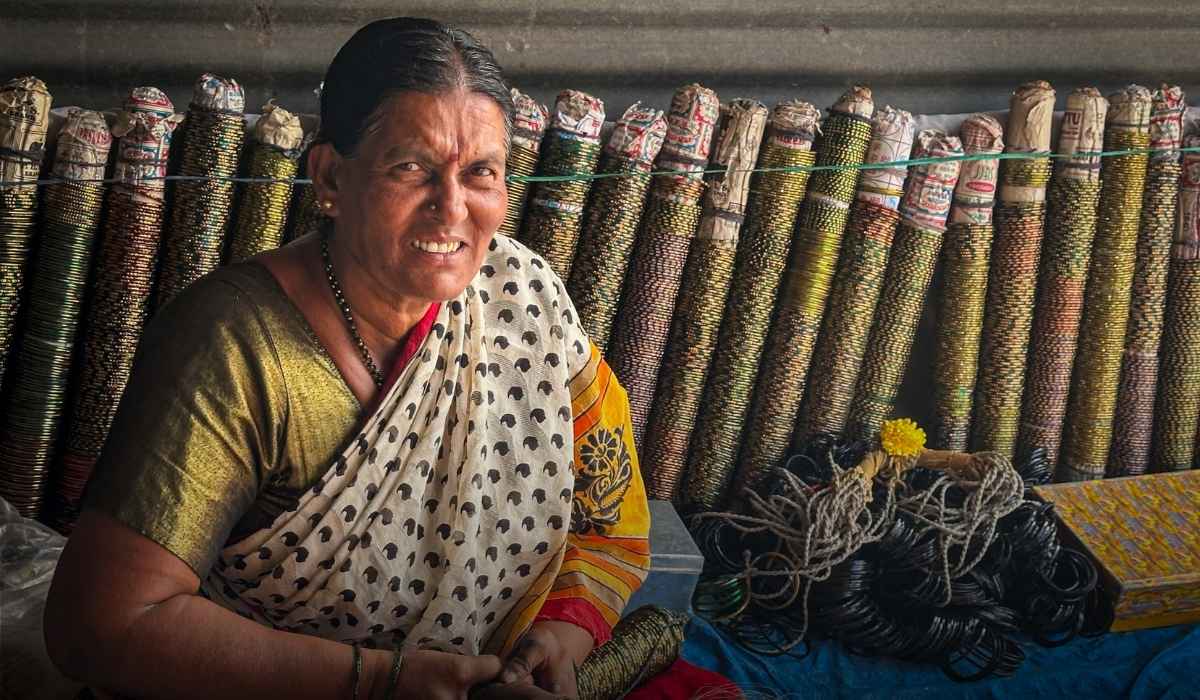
<point>578,612</point>
<point>682,681</point>
<point>412,343</point>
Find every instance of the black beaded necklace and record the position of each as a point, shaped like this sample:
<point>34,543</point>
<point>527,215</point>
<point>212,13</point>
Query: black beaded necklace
<point>347,314</point>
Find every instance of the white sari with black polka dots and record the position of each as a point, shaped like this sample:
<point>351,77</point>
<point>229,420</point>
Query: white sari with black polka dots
<point>448,516</point>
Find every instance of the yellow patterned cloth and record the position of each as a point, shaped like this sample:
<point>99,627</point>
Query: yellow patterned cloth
<point>497,473</point>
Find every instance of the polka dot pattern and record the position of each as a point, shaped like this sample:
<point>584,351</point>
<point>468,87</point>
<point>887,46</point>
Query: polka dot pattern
<point>443,513</point>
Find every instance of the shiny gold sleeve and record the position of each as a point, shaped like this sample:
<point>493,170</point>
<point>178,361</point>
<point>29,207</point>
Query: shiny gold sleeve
<point>199,426</point>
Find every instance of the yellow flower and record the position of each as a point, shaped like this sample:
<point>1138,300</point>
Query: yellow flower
<point>902,438</point>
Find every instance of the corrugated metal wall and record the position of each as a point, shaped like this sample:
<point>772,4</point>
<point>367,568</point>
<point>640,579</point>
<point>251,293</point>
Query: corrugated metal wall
<point>923,56</point>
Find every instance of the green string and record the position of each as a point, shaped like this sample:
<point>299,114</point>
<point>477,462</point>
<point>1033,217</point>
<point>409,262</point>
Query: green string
<point>966,157</point>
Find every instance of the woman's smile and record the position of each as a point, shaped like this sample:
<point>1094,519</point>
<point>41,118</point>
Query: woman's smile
<point>443,254</point>
<point>439,247</point>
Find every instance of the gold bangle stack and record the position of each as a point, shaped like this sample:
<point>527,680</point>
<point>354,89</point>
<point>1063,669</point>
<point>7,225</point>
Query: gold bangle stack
<point>762,254</point>
<point>703,292</point>
<point>846,134</point>
<point>668,225</point>
<point>914,256</point>
<point>70,216</point>
<point>529,124</point>
<point>118,302</point>
<point>842,342</point>
<point>1177,406</point>
<point>24,118</point>
<point>1072,201</point>
<point>555,209</point>
<point>1092,403</point>
<point>1013,271</point>
<point>965,255</point>
<point>611,220</point>
<point>201,209</point>
<point>306,216</point>
<point>644,643</point>
<point>1133,422</point>
<point>842,345</point>
<point>262,212</point>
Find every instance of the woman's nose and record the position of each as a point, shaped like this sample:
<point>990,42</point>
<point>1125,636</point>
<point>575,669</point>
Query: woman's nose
<point>450,202</point>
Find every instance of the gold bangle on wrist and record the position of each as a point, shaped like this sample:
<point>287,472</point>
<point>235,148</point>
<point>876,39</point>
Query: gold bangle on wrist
<point>394,674</point>
<point>358,664</point>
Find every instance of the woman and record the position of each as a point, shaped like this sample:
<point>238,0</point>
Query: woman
<point>391,436</point>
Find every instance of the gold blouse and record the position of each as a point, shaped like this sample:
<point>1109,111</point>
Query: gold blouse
<point>232,410</point>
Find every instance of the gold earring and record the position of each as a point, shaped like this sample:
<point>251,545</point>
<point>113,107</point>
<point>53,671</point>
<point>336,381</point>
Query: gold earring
<point>327,204</point>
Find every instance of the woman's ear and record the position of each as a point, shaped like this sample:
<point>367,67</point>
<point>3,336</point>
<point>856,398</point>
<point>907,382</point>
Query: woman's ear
<point>323,164</point>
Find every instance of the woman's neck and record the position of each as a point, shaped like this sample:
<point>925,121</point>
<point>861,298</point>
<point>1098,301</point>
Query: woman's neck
<point>382,316</point>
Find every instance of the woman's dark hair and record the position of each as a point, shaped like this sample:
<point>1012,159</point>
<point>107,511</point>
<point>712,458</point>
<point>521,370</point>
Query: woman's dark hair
<point>403,54</point>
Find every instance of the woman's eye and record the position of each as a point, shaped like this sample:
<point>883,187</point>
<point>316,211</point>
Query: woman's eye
<point>483,171</point>
<point>409,167</point>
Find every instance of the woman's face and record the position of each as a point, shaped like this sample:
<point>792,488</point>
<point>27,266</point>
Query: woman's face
<point>420,200</point>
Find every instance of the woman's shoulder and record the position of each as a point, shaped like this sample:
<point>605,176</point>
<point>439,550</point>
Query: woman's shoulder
<point>242,298</point>
<point>244,281</point>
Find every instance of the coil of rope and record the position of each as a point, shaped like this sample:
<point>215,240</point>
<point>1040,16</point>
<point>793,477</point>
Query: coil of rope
<point>936,557</point>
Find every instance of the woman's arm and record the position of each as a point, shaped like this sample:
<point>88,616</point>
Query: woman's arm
<point>124,616</point>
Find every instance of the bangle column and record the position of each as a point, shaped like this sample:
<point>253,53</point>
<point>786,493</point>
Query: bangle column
<point>965,255</point>
<point>1072,202</point>
<point>1133,422</point>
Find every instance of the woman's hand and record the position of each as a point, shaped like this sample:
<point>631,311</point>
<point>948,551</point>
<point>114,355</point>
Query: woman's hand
<point>547,656</point>
<point>436,675</point>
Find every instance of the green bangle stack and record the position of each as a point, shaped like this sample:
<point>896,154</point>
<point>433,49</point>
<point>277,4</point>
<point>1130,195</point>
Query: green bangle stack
<point>24,118</point>
<point>571,148</point>
<point>874,216</point>
<point>613,213</point>
<point>704,289</point>
<point>762,254</point>
<point>58,284</point>
<point>846,134</point>
<point>1177,407</point>
<point>262,212</point>
<point>201,210</point>
<point>644,643</point>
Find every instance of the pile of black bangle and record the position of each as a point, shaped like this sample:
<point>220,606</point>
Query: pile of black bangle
<point>886,600</point>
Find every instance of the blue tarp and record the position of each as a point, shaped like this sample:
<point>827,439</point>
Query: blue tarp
<point>1144,665</point>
